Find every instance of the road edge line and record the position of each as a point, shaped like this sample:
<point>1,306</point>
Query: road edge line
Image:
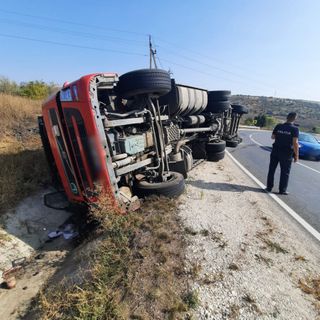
<point>282,204</point>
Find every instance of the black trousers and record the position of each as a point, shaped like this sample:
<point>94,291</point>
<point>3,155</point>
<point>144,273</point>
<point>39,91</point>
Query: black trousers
<point>285,160</point>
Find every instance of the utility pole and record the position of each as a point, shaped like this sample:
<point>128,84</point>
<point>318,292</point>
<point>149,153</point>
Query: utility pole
<point>152,53</point>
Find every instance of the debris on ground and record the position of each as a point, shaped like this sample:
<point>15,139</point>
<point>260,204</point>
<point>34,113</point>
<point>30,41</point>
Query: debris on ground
<point>27,259</point>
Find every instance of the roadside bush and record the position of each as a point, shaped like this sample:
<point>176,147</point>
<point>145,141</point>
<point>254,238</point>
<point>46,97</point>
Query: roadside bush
<point>263,120</point>
<point>250,122</point>
<point>8,87</point>
<point>31,89</point>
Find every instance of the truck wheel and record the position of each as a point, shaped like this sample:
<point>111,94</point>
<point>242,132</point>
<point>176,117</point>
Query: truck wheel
<point>171,188</point>
<point>215,157</point>
<point>232,143</point>
<point>217,106</point>
<point>215,147</point>
<point>220,95</point>
<point>155,82</point>
<point>236,108</point>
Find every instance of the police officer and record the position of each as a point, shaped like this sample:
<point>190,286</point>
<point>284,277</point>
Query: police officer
<point>285,148</point>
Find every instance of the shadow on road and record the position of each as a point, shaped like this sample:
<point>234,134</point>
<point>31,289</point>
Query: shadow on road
<point>223,186</point>
<point>265,148</point>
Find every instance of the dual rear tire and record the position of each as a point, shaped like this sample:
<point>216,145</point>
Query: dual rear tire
<point>218,101</point>
<point>215,151</point>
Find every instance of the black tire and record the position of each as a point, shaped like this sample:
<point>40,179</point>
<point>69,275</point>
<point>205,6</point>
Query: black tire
<point>215,147</point>
<point>217,106</point>
<point>179,166</point>
<point>236,108</point>
<point>155,82</point>
<point>215,157</point>
<point>172,188</point>
<point>232,143</point>
<point>221,95</point>
<point>198,150</point>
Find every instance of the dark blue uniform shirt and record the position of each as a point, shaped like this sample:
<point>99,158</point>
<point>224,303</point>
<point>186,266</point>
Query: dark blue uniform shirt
<point>284,134</point>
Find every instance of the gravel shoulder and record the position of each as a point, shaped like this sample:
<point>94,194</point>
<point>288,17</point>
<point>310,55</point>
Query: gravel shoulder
<point>248,256</point>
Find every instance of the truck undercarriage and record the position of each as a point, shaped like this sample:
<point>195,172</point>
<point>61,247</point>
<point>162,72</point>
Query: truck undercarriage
<point>134,135</point>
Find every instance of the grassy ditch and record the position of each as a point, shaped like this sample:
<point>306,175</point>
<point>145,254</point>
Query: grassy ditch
<point>136,272</point>
<point>22,162</point>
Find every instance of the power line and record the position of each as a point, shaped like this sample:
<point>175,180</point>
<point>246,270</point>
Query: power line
<point>159,62</point>
<point>220,69</point>
<point>175,46</point>
<point>73,32</point>
<point>206,73</point>
<point>73,23</point>
<point>71,45</point>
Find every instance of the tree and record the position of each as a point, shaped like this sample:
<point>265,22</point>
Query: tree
<point>8,87</point>
<point>264,120</point>
<point>34,89</point>
<point>261,120</point>
<point>30,89</point>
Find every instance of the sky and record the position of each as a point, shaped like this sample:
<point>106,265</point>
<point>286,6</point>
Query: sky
<point>253,47</point>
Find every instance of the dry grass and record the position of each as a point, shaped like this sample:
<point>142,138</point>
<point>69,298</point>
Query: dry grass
<point>311,285</point>
<point>300,258</point>
<point>22,162</point>
<point>17,113</point>
<point>136,273</point>
<point>212,278</point>
<point>195,269</point>
<point>272,245</point>
<point>217,237</point>
<point>234,312</point>
<point>251,301</point>
<point>263,259</point>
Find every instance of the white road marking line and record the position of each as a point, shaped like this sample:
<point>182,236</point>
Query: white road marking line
<point>299,163</point>
<point>256,142</point>
<point>303,165</point>
<point>294,214</point>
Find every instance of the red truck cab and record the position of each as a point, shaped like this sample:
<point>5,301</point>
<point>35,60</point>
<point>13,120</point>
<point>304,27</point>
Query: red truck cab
<point>78,144</point>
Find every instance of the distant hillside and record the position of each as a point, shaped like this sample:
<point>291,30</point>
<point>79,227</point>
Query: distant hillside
<point>308,111</point>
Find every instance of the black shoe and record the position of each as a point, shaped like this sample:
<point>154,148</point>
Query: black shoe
<point>268,189</point>
<point>284,192</point>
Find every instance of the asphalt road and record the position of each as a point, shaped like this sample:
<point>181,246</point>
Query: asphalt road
<point>304,184</point>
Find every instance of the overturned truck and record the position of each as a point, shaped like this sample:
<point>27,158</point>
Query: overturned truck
<point>134,135</point>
